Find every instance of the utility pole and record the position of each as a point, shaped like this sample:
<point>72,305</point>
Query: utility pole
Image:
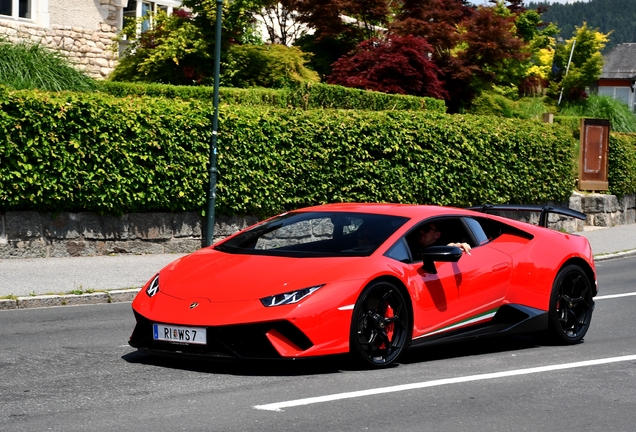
<point>209,236</point>
<point>567,69</point>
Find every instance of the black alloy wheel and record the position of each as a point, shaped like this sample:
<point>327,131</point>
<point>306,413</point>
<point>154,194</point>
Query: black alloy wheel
<point>380,325</point>
<point>571,306</point>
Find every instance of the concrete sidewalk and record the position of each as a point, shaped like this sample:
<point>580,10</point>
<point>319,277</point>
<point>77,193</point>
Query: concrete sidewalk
<point>23,277</point>
<point>56,276</point>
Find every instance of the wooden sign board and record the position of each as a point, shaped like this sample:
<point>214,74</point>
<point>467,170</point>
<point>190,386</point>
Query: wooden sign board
<point>593,155</point>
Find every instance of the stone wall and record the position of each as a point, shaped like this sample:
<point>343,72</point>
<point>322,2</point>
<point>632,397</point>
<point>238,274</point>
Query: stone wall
<point>93,52</point>
<point>607,210</point>
<point>30,234</point>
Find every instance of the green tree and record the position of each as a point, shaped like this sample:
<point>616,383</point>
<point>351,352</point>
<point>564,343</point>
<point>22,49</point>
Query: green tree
<point>586,65</point>
<point>174,51</point>
<point>179,49</point>
<point>617,16</point>
<point>540,37</point>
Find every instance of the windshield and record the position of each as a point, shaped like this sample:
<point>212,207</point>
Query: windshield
<point>316,234</point>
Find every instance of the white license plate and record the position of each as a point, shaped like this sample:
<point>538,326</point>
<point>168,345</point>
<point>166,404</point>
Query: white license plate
<point>179,334</point>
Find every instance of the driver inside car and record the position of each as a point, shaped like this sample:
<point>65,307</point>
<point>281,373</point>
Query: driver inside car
<point>428,235</point>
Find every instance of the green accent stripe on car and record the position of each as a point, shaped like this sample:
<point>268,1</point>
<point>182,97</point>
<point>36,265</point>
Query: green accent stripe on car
<point>472,320</point>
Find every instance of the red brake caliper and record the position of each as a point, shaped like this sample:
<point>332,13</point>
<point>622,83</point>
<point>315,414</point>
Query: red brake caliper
<point>389,328</point>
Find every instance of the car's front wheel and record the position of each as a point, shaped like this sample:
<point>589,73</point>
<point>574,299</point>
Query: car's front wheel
<point>571,306</point>
<point>380,325</point>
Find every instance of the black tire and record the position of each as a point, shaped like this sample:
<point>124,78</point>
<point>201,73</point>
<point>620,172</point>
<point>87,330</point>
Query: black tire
<point>571,306</point>
<point>380,325</point>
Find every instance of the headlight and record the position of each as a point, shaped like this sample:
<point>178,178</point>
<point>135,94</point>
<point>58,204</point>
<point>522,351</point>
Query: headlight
<point>289,297</point>
<point>153,288</point>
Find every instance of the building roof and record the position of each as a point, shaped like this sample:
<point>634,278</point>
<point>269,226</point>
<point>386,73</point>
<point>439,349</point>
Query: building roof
<point>620,62</point>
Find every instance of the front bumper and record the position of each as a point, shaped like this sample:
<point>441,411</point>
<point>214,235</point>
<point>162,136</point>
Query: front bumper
<point>267,340</point>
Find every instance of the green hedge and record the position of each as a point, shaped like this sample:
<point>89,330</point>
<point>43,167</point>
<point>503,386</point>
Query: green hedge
<point>82,151</point>
<point>310,157</point>
<point>72,151</point>
<point>307,96</point>
<point>622,164</point>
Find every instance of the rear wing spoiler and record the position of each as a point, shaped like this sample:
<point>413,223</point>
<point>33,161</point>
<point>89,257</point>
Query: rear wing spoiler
<point>544,210</point>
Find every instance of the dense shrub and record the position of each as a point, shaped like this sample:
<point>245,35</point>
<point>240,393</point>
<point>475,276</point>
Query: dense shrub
<point>622,164</point>
<point>83,151</point>
<point>114,155</point>
<point>392,157</point>
<point>270,66</point>
<point>573,123</point>
<point>308,96</point>
<point>492,103</point>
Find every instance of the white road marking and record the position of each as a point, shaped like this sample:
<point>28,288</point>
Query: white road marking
<point>356,394</point>
<point>614,296</point>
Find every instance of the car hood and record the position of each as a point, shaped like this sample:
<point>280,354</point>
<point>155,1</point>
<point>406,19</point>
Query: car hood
<point>224,277</point>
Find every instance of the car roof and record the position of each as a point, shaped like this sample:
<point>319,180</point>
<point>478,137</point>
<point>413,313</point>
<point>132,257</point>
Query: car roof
<point>405,210</point>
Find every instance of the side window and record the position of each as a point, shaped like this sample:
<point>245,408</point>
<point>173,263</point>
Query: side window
<point>478,231</point>
<point>16,8</point>
<point>449,230</point>
<point>399,252</point>
<point>141,9</point>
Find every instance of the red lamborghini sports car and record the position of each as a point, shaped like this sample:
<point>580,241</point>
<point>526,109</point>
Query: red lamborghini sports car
<point>354,278</point>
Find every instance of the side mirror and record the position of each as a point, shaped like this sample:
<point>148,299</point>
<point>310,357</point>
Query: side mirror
<point>433,254</point>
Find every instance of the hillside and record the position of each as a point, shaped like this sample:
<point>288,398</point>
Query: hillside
<point>606,15</point>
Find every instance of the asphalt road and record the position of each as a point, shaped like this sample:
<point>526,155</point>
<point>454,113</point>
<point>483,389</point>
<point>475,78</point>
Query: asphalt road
<point>70,369</point>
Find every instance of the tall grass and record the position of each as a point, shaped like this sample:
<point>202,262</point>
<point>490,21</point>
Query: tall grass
<point>30,66</point>
<point>533,108</point>
<point>621,118</point>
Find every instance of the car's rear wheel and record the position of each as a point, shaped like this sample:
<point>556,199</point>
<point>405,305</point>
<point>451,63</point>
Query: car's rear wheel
<point>380,325</point>
<point>571,306</point>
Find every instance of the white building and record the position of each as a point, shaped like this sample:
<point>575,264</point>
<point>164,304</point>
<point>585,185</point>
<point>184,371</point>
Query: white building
<point>618,78</point>
<point>83,30</point>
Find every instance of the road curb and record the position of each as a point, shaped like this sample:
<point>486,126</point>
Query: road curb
<point>29,302</point>
<point>615,255</point>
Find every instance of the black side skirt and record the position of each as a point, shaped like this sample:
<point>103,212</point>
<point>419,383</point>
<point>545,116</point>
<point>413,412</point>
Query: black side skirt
<point>509,319</point>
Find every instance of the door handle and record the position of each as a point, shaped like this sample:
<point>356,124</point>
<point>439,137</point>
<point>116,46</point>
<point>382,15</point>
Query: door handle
<point>500,267</point>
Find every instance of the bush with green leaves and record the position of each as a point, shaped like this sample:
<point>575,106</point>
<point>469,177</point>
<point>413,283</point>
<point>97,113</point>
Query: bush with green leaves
<point>304,96</point>
<point>31,66</point>
<point>622,164</point>
<point>179,48</point>
<point>71,152</point>
<point>270,66</point>
<point>174,50</point>
<point>492,103</point>
<point>88,151</point>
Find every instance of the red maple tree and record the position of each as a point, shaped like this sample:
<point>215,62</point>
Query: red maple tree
<point>473,47</point>
<point>435,20</point>
<point>359,19</point>
<point>492,45</point>
<point>396,64</point>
